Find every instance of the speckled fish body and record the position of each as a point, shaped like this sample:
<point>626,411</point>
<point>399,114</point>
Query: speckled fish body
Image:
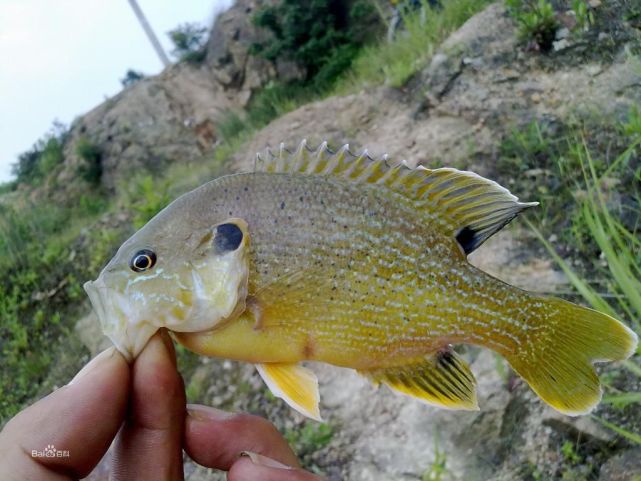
<point>350,261</point>
<point>354,276</point>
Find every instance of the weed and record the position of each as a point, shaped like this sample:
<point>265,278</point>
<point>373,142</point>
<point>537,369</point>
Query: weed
<point>310,438</point>
<point>583,14</point>
<point>438,469</point>
<point>630,436</point>
<point>537,21</point>
<point>631,127</point>
<point>569,453</point>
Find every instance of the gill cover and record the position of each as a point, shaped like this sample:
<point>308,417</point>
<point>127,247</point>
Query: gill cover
<point>196,291</point>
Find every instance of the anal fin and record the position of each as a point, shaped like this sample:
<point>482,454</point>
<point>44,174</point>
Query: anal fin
<point>442,379</point>
<point>295,384</point>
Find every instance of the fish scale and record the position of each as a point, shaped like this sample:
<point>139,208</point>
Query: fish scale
<point>404,238</point>
<point>344,259</point>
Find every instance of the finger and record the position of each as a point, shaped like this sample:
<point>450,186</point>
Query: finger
<point>78,420</point>
<point>149,446</point>
<point>253,467</point>
<point>216,438</point>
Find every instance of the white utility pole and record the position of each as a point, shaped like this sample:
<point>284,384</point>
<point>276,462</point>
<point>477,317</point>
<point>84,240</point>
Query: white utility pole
<point>150,33</point>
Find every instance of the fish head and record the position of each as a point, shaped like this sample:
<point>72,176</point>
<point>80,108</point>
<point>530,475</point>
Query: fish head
<point>177,275</point>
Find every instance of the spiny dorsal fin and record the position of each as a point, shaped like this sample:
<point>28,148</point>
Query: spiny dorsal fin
<point>471,207</point>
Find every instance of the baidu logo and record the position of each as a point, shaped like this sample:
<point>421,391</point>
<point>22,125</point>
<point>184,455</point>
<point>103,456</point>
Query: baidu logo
<point>49,452</point>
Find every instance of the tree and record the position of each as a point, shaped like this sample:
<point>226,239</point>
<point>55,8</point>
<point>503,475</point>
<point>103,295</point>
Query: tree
<point>320,36</point>
<point>131,77</point>
<point>189,42</point>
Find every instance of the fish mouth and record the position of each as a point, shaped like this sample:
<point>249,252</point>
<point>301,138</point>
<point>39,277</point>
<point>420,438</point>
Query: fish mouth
<point>128,333</point>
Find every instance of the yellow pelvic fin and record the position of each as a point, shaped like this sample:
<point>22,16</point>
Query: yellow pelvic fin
<point>295,384</point>
<point>442,379</point>
<point>471,207</point>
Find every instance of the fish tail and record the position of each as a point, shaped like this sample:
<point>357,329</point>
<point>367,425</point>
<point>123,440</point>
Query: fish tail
<point>560,347</point>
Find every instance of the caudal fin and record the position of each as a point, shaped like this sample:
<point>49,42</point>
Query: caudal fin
<point>557,358</point>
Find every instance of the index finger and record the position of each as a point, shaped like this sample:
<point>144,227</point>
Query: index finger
<point>149,444</point>
<point>216,439</point>
<point>65,434</point>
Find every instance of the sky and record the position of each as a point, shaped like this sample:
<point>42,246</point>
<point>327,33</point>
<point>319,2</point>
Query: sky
<point>61,58</point>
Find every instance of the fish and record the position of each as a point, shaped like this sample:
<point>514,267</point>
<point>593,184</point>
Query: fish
<point>342,258</point>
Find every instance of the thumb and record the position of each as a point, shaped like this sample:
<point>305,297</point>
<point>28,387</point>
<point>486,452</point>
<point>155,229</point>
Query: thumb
<point>68,432</point>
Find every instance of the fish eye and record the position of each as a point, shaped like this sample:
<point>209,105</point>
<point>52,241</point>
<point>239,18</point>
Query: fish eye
<point>142,260</point>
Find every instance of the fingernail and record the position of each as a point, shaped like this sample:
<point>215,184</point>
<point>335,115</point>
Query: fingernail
<point>169,344</point>
<point>261,460</point>
<point>158,350</point>
<point>206,413</point>
<point>94,364</point>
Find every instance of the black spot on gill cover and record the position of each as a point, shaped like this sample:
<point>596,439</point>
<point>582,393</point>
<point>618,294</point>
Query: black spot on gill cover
<point>228,238</point>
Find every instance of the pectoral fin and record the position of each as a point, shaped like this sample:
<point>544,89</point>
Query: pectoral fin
<point>443,380</point>
<point>295,384</point>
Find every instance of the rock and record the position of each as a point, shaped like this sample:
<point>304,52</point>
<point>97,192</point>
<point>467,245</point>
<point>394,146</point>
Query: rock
<point>594,70</point>
<point>622,467</point>
<point>145,127</point>
<point>561,44</point>
<point>228,56</point>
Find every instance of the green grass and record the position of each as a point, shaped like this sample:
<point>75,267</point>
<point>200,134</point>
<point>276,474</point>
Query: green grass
<point>437,471</point>
<point>394,63</point>
<point>536,20</point>
<point>45,255</point>
<point>310,438</point>
<point>620,249</point>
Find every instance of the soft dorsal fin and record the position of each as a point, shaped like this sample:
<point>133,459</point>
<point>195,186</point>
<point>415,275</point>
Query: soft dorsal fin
<point>471,207</point>
<point>442,379</point>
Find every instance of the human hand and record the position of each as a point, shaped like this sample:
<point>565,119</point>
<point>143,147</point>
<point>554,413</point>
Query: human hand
<point>82,419</point>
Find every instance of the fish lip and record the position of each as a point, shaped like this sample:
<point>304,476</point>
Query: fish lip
<point>119,332</point>
<point>91,288</point>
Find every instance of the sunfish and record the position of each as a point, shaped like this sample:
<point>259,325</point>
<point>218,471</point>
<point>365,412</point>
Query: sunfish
<point>344,259</point>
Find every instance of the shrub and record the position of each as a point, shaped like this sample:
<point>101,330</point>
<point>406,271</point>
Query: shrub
<point>321,36</point>
<point>91,155</point>
<point>34,164</point>
<point>7,187</point>
<point>131,77</point>
<point>189,41</point>
<point>151,196</point>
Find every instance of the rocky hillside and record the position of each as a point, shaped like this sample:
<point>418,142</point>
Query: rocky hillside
<point>489,101</point>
